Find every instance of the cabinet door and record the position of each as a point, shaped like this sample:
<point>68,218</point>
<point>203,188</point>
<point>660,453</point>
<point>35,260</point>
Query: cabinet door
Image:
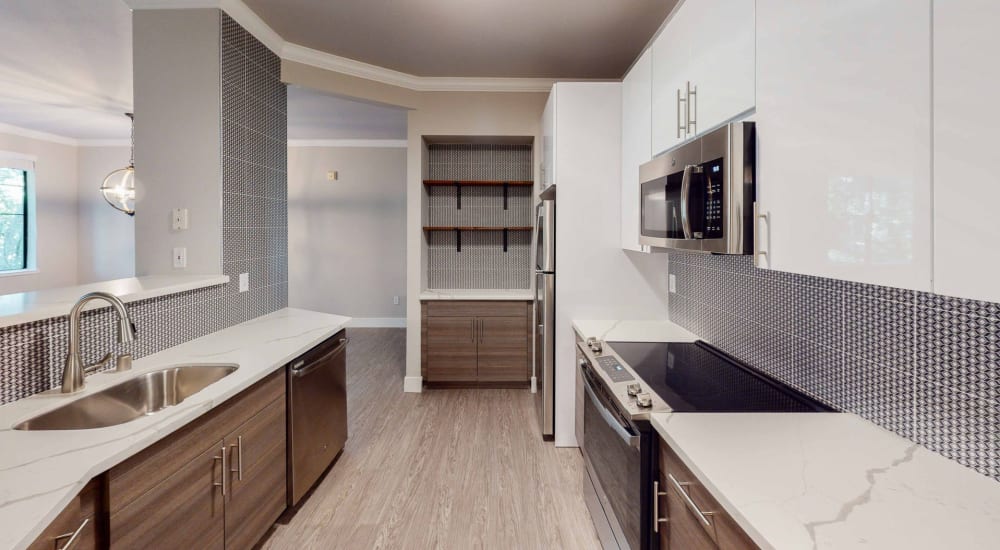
<point>670,56</point>
<point>843,139</point>
<point>451,349</point>
<point>548,141</point>
<point>186,510</point>
<point>637,119</point>
<point>503,349</point>
<point>257,476</point>
<point>722,63</point>
<point>685,530</point>
<point>966,118</point>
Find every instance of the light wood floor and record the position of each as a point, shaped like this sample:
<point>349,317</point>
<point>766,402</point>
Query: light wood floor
<point>442,469</point>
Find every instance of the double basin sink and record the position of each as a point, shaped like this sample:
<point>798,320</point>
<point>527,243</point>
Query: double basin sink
<point>134,398</point>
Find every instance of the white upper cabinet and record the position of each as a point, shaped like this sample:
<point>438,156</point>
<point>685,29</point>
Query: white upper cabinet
<point>709,44</point>
<point>636,148</point>
<point>966,121</point>
<point>548,171</point>
<point>843,138</point>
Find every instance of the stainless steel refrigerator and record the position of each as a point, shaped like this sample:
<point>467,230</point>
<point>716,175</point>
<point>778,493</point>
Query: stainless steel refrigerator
<point>545,310</point>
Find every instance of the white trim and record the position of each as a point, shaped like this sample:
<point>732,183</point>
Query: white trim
<point>377,322</point>
<point>103,143</point>
<point>288,51</point>
<point>18,272</point>
<point>35,134</point>
<point>386,143</point>
<point>413,384</point>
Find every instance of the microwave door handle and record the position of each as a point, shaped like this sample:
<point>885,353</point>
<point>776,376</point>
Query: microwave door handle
<point>686,200</point>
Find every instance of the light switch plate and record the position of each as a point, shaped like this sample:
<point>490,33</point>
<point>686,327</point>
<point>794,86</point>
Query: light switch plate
<point>673,283</point>
<point>180,258</point>
<point>332,175</point>
<point>179,219</point>
<point>244,282</point>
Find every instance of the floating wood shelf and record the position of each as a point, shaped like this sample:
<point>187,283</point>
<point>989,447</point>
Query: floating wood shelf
<point>475,228</point>
<point>473,183</point>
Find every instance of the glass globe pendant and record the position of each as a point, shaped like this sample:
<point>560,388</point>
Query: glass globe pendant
<point>119,186</point>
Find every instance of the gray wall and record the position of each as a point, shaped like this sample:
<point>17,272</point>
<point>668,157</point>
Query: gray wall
<point>106,237</point>
<point>177,137</point>
<point>347,238</point>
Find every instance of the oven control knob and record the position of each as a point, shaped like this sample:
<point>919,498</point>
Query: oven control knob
<point>595,345</point>
<point>634,389</point>
<point>644,400</point>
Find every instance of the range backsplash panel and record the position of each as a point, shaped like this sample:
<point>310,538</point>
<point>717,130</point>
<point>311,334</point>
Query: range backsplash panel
<point>255,229</point>
<point>482,263</point>
<point>924,366</point>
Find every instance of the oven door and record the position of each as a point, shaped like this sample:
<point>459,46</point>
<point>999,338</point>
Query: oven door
<point>612,448</point>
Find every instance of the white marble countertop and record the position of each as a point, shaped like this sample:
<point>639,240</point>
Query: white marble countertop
<point>833,481</point>
<point>25,307</point>
<point>462,294</point>
<point>40,472</point>
<point>632,331</point>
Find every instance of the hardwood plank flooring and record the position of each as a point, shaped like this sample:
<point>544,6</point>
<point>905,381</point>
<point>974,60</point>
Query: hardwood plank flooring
<point>440,469</point>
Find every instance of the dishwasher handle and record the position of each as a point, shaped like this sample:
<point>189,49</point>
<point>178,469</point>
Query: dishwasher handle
<point>301,368</point>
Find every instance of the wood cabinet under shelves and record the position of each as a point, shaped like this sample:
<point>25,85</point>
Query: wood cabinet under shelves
<point>476,343</point>
<point>219,482</point>
<point>691,518</point>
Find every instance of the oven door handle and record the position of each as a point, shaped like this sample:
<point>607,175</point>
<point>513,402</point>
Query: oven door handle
<point>686,198</point>
<point>626,435</point>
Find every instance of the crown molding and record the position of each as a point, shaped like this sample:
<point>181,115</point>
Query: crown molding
<point>288,51</point>
<point>35,134</point>
<point>379,143</point>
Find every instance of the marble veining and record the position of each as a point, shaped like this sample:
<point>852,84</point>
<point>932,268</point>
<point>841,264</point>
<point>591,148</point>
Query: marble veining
<point>40,472</point>
<point>833,481</point>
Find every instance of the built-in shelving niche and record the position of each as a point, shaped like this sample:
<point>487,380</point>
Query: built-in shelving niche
<point>478,212</point>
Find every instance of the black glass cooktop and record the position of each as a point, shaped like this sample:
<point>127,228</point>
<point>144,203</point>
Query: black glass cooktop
<point>694,377</point>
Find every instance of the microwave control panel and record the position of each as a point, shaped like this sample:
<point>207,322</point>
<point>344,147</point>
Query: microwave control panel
<point>713,172</point>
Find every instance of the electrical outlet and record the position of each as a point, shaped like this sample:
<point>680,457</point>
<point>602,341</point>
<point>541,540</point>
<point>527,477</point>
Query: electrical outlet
<point>179,219</point>
<point>332,175</point>
<point>244,282</point>
<point>673,283</point>
<point>180,258</point>
<point>395,300</point>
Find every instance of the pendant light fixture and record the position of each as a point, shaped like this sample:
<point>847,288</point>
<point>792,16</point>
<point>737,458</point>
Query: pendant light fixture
<point>119,186</point>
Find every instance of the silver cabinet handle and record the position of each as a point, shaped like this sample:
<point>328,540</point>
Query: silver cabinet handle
<point>691,106</point>
<point>757,252</point>
<point>225,471</point>
<point>702,516</point>
<point>681,123</point>
<point>73,537</point>
<point>239,458</point>
<point>657,493</point>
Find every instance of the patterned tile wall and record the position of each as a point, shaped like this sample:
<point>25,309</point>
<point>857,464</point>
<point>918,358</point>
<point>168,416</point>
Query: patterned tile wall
<point>924,366</point>
<point>255,228</point>
<point>482,263</point>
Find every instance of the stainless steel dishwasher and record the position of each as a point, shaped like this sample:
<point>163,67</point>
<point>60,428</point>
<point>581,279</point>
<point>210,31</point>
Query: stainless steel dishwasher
<point>317,413</point>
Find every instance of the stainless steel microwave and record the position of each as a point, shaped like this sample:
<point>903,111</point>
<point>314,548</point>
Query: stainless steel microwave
<point>700,196</point>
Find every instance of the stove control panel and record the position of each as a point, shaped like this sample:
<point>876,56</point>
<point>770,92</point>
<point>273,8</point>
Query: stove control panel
<point>615,370</point>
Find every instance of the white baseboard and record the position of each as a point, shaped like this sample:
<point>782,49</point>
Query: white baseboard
<point>413,384</point>
<point>377,322</point>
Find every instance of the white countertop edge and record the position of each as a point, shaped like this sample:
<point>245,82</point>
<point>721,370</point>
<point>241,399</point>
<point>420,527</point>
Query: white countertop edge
<point>632,331</point>
<point>163,423</point>
<point>26,307</point>
<point>519,295</point>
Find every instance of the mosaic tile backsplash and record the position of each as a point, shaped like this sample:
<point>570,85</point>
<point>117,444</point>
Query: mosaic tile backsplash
<point>255,229</point>
<point>924,366</point>
<point>482,262</point>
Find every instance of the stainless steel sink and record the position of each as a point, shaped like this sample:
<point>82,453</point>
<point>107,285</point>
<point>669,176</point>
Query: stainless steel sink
<point>136,397</point>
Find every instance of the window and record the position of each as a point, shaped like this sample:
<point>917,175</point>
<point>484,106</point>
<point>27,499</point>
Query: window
<point>13,219</point>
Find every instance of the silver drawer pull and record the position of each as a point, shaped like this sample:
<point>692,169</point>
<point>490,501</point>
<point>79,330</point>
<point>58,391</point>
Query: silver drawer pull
<point>702,516</point>
<point>225,472</point>
<point>73,537</point>
<point>657,520</point>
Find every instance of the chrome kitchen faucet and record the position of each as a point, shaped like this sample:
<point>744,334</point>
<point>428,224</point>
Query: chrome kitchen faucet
<point>74,372</point>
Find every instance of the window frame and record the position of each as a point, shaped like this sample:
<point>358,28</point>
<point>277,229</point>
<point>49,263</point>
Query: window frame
<point>26,164</point>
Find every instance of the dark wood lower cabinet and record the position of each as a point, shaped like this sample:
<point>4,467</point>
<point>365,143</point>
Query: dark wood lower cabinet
<point>216,483</point>
<point>695,519</point>
<point>80,522</point>
<point>476,343</point>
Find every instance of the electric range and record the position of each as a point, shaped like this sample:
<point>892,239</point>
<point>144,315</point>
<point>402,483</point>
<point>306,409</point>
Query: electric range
<point>620,385</point>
